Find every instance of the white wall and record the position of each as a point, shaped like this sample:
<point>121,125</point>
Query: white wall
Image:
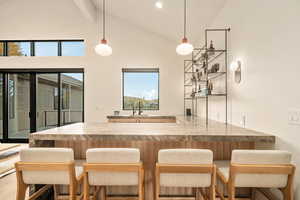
<point>265,36</point>
<point>132,47</point>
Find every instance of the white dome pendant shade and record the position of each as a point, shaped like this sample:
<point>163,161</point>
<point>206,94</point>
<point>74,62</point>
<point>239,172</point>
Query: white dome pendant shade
<point>103,49</point>
<point>184,48</point>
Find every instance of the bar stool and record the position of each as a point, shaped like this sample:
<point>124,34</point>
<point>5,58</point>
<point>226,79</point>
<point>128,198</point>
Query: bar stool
<point>257,169</point>
<point>113,167</point>
<point>47,166</point>
<point>186,168</point>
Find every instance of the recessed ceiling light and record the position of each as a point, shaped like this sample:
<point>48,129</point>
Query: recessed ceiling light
<point>159,4</point>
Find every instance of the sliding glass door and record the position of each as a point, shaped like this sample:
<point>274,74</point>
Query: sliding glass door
<point>37,100</point>
<point>18,105</point>
<point>1,106</point>
<point>47,101</point>
<point>72,98</point>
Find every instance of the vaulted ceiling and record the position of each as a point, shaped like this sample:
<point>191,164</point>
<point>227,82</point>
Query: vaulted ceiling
<point>167,22</point>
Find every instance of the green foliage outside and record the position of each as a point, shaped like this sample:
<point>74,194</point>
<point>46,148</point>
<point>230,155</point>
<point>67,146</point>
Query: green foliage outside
<point>13,50</point>
<point>129,102</point>
<point>1,49</point>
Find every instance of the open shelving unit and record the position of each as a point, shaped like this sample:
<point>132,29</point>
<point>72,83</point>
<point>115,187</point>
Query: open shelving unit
<point>201,62</point>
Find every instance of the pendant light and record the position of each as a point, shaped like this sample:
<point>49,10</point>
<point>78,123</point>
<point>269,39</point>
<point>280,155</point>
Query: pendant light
<point>103,49</point>
<point>184,48</point>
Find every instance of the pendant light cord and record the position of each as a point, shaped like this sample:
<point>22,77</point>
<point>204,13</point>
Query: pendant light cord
<point>184,19</point>
<point>103,12</point>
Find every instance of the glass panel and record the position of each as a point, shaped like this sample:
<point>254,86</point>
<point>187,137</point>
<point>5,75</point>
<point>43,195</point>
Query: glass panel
<point>1,106</point>
<point>47,101</point>
<point>18,48</point>
<point>1,49</point>
<point>46,48</point>
<point>72,97</point>
<point>18,105</point>
<point>72,48</point>
<point>141,87</point>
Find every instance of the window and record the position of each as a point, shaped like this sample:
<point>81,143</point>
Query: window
<point>1,49</point>
<point>65,97</point>
<point>11,96</point>
<point>72,97</point>
<point>46,48</point>
<point>141,86</point>
<point>70,48</point>
<point>18,49</point>
<point>28,98</point>
<point>42,48</point>
<point>55,95</point>
<point>1,101</point>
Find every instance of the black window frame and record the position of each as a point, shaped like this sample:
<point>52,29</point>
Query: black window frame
<point>33,104</point>
<point>141,70</point>
<point>32,46</point>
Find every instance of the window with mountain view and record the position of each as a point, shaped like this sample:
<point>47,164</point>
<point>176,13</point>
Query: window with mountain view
<point>141,86</point>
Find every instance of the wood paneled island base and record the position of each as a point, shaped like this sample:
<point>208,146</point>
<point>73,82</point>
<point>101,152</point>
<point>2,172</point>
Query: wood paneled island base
<point>150,138</point>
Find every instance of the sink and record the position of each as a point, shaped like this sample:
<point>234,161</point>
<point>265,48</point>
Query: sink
<point>143,118</point>
<point>142,115</point>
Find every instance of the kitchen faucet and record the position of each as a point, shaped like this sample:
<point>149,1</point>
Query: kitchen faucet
<point>133,111</point>
<point>140,109</point>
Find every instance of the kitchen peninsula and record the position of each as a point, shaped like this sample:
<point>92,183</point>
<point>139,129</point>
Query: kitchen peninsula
<point>141,119</point>
<point>187,132</point>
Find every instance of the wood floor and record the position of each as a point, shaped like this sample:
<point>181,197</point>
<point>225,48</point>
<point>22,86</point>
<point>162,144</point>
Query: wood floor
<point>8,187</point>
<point>8,190</point>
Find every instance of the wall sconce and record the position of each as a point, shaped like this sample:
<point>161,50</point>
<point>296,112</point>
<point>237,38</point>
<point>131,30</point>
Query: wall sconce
<point>236,67</point>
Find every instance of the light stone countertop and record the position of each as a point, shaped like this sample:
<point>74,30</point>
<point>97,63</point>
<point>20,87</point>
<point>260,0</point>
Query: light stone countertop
<point>185,129</point>
<point>141,116</point>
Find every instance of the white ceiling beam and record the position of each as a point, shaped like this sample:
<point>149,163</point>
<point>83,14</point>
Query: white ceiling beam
<point>87,8</point>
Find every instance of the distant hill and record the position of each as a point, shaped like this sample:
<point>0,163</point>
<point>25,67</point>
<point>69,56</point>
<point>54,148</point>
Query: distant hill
<point>146,104</point>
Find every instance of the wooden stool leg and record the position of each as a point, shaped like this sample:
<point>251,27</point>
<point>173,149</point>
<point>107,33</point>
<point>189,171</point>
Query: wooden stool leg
<point>140,191</point>
<point>56,192</point>
<point>212,189</point>
<point>103,193</point>
<point>212,192</point>
<point>21,191</point>
<point>21,186</point>
<point>253,193</point>
<point>231,191</point>
<point>141,184</point>
<point>95,194</point>
<point>73,191</point>
<point>198,194</point>
<point>86,187</point>
<point>157,184</point>
<point>288,193</point>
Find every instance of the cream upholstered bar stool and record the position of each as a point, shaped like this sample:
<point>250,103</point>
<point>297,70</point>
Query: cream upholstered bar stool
<point>49,167</point>
<point>112,167</point>
<point>192,168</point>
<point>257,169</point>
